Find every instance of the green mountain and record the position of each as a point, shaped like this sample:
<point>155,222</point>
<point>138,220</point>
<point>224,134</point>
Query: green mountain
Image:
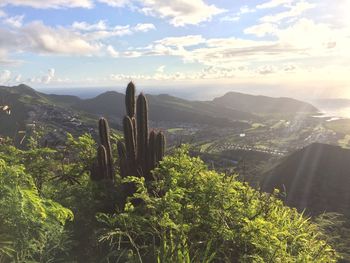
<point>29,108</point>
<point>62,113</point>
<point>315,178</point>
<point>263,105</point>
<point>165,108</point>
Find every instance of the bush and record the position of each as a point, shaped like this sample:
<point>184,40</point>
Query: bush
<point>31,227</point>
<point>191,214</point>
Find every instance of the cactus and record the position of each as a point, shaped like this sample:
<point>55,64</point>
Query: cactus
<point>160,146</point>
<point>122,159</point>
<point>141,151</point>
<point>130,100</point>
<point>152,161</point>
<point>142,131</point>
<point>103,167</point>
<point>102,162</point>
<point>130,143</point>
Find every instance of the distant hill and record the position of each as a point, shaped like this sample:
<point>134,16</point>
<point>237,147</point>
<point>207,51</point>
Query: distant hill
<point>263,104</point>
<point>70,113</point>
<point>315,178</point>
<point>31,107</point>
<point>162,108</point>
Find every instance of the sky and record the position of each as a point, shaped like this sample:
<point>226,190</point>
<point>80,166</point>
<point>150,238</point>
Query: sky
<point>297,48</point>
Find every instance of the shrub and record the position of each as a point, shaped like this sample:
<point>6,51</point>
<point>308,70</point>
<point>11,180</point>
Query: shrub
<point>31,227</point>
<point>192,214</point>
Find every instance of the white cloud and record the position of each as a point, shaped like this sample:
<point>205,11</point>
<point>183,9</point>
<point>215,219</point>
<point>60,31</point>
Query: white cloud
<point>14,21</point>
<point>237,16</point>
<point>273,4</point>
<point>39,38</point>
<point>160,69</point>
<point>230,18</point>
<point>261,30</point>
<point>144,27</point>
<point>294,11</point>
<point>183,41</point>
<point>18,78</point>
<point>46,79</point>
<point>112,52</point>
<point>178,12</point>
<point>101,30</point>
<point>40,4</point>
<point>115,3</point>
<point>5,77</point>
<point>181,12</point>
<point>84,26</point>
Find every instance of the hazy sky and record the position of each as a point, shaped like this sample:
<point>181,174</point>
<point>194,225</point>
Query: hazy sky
<point>287,47</point>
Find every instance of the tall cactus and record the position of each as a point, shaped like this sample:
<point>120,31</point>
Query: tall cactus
<point>103,167</point>
<point>130,143</point>
<point>142,131</point>
<point>149,148</point>
<point>105,141</point>
<point>141,150</point>
<point>160,146</point>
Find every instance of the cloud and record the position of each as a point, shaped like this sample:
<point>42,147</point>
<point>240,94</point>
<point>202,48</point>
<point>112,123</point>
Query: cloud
<point>46,79</point>
<point>115,3</point>
<point>261,30</point>
<point>237,16</point>
<point>5,77</point>
<point>177,12</point>
<point>39,38</point>
<point>101,30</point>
<point>181,12</point>
<point>14,21</point>
<point>294,11</point>
<point>273,4</point>
<point>40,4</point>
<point>183,41</point>
<point>160,69</point>
<point>144,27</point>
<point>112,52</point>
<point>266,70</point>
<point>84,26</point>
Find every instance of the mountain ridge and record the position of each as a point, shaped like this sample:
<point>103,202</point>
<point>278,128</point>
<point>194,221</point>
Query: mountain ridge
<point>314,178</point>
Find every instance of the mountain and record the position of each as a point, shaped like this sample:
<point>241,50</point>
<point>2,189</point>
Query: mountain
<point>315,178</point>
<point>29,107</point>
<point>62,113</point>
<point>163,108</point>
<point>263,104</point>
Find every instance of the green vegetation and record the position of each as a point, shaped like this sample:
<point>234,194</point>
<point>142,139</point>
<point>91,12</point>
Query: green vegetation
<point>31,226</point>
<point>120,200</point>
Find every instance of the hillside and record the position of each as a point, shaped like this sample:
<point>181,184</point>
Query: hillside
<point>315,178</point>
<point>164,108</point>
<point>31,107</point>
<point>65,113</point>
<point>263,104</point>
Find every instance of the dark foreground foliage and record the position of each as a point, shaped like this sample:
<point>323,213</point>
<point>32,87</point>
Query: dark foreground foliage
<point>188,214</point>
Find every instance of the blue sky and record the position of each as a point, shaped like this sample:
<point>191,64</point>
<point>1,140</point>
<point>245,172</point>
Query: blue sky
<point>288,46</point>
